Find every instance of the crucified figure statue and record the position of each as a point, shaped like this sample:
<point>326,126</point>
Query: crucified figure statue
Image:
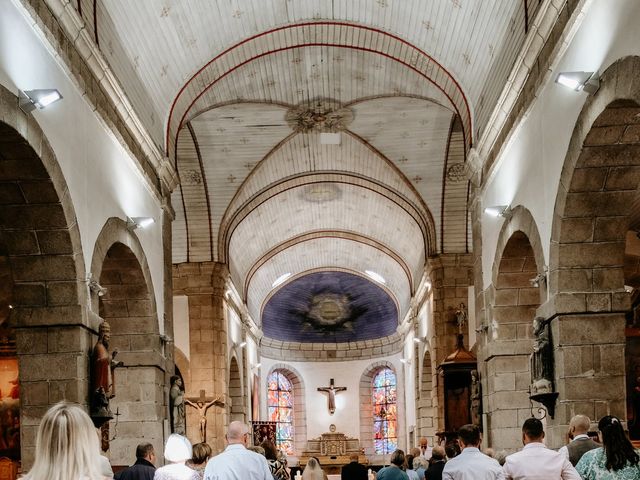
<point>202,404</point>
<point>331,390</point>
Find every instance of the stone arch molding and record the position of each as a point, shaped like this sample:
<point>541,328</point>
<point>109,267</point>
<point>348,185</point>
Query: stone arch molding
<point>520,220</point>
<point>590,217</point>
<point>65,240</point>
<point>115,231</point>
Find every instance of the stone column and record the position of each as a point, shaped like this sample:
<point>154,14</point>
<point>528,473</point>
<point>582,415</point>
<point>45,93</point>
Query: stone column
<point>451,275</point>
<point>204,285</point>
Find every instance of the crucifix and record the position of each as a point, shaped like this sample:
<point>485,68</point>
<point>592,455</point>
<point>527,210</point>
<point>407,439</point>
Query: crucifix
<point>332,390</point>
<point>202,404</point>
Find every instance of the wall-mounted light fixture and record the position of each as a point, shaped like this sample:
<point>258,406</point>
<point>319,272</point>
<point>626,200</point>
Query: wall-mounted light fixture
<point>579,81</point>
<point>139,222</point>
<point>256,366</point>
<point>242,344</point>
<point>498,211</point>
<point>406,361</point>
<point>96,288</point>
<point>538,279</point>
<point>29,100</point>
<point>419,340</point>
<point>482,329</point>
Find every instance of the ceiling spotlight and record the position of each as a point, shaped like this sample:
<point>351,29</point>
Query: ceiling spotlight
<point>578,81</point>
<point>498,211</point>
<point>29,100</point>
<point>139,222</point>
<point>375,276</point>
<point>418,340</point>
<point>242,344</point>
<point>280,280</point>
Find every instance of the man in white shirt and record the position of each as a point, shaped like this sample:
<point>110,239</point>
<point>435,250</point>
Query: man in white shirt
<point>471,464</point>
<point>580,441</point>
<point>425,449</point>
<point>535,461</point>
<point>236,462</point>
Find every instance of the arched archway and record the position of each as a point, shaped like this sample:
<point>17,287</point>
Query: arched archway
<point>595,207</point>
<point>515,295</point>
<point>40,241</point>
<point>426,412</point>
<point>237,410</point>
<point>128,305</point>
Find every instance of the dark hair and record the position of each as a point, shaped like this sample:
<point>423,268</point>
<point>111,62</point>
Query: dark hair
<point>470,435</point>
<point>270,450</point>
<point>532,428</point>
<point>143,450</point>
<point>409,461</point>
<point>397,458</point>
<point>617,446</point>
<point>201,453</point>
<point>451,449</point>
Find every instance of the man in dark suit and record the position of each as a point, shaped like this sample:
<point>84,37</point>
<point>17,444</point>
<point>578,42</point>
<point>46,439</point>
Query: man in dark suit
<point>436,464</point>
<point>143,469</point>
<point>354,470</point>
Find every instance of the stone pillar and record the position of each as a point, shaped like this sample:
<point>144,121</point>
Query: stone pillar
<point>589,367</point>
<point>54,366</point>
<point>204,285</point>
<point>451,275</point>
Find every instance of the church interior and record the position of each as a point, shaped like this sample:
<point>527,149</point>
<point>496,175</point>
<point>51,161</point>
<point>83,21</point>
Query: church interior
<point>349,224</point>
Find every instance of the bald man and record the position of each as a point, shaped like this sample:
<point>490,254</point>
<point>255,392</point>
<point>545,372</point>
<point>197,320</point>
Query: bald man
<point>580,441</point>
<point>236,462</point>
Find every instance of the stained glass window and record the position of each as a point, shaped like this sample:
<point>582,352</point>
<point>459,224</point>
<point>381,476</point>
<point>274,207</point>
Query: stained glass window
<point>280,409</point>
<point>385,436</point>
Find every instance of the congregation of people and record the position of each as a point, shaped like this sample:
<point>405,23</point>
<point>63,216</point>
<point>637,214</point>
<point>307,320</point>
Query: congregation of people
<point>68,447</point>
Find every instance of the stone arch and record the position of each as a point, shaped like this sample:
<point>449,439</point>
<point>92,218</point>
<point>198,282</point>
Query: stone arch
<point>183,364</point>
<point>40,239</point>
<point>120,266</point>
<point>426,411</point>
<point>299,403</point>
<point>595,207</point>
<point>237,409</point>
<point>514,299</point>
<point>366,409</point>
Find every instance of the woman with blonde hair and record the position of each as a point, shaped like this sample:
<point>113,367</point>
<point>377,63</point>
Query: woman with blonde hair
<point>66,446</point>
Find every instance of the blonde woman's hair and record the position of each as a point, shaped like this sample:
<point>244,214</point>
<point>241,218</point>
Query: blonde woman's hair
<point>66,446</point>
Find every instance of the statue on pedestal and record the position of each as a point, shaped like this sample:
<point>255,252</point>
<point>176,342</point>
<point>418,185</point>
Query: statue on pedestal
<point>103,365</point>
<point>541,358</point>
<point>476,400</point>
<point>176,406</point>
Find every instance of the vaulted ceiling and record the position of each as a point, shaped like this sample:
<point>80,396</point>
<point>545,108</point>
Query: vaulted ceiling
<point>241,95</point>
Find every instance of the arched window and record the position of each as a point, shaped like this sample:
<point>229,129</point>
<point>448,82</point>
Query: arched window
<point>385,436</point>
<point>280,409</point>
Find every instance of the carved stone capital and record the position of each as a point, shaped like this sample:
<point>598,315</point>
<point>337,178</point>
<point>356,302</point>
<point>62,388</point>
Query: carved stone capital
<point>473,168</point>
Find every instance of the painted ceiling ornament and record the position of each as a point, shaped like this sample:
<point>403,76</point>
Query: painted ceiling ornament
<point>192,177</point>
<point>329,312</point>
<point>456,172</point>
<point>319,116</point>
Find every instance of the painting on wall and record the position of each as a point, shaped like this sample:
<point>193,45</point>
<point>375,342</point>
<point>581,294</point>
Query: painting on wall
<point>9,408</point>
<point>263,431</point>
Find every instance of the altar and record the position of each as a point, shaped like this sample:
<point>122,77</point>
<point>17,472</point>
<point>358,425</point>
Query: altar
<point>333,450</point>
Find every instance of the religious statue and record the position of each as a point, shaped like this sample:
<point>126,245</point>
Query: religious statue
<point>331,390</point>
<point>541,358</point>
<point>103,365</point>
<point>476,399</point>
<point>202,404</point>
<point>461,317</point>
<point>176,405</point>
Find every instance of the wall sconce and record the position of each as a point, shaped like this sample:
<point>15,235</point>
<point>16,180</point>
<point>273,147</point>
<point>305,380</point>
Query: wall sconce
<point>96,288</point>
<point>406,361</point>
<point>498,211</point>
<point>139,222</point>
<point>538,279</point>
<point>164,338</point>
<point>579,81</point>
<point>419,340</point>
<point>256,366</point>
<point>482,329</point>
<point>29,100</point>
